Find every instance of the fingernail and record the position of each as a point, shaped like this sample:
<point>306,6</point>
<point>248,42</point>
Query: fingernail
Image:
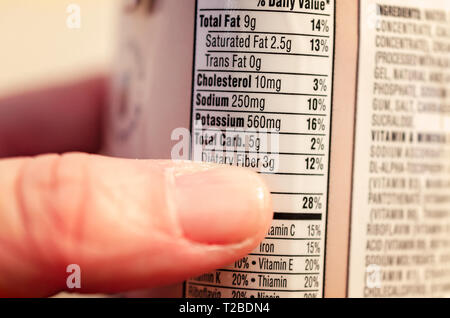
<point>222,205</point>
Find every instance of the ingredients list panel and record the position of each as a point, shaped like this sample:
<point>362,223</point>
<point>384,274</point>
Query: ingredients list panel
<point>400,233</point>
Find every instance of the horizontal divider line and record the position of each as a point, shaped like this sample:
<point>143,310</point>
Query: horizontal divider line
<point>267,11</point>
<point>292,174</point>
<point>261,132</point>
<point>294,239</point>
<point>269,273</point>
<point>276,33</point>
<point>261,72</point>
<point>297,216</point>
<point>259,112</point>
<point>252,92</point>
<point>269,53</point>
<point>295,193</point>
<point>283,255</point>
<point>266,153</point>
<point>256,289</point>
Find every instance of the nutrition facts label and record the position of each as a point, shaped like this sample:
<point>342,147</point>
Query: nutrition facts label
<point>400,234</point>
<point>262,87</point>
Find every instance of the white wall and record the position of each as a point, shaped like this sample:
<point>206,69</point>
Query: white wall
<point>37,47</point>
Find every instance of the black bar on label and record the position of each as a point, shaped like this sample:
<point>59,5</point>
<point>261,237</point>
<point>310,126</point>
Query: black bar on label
<point>297,216</point>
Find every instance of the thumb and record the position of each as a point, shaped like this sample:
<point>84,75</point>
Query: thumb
<point>127,224</point>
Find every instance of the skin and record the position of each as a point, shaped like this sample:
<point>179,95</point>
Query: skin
<point>128,224</point>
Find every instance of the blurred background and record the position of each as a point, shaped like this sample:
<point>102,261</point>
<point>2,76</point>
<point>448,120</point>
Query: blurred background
<point>38,47</point>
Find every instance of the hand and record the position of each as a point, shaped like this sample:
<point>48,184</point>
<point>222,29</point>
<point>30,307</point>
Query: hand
<point>128,224</point>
